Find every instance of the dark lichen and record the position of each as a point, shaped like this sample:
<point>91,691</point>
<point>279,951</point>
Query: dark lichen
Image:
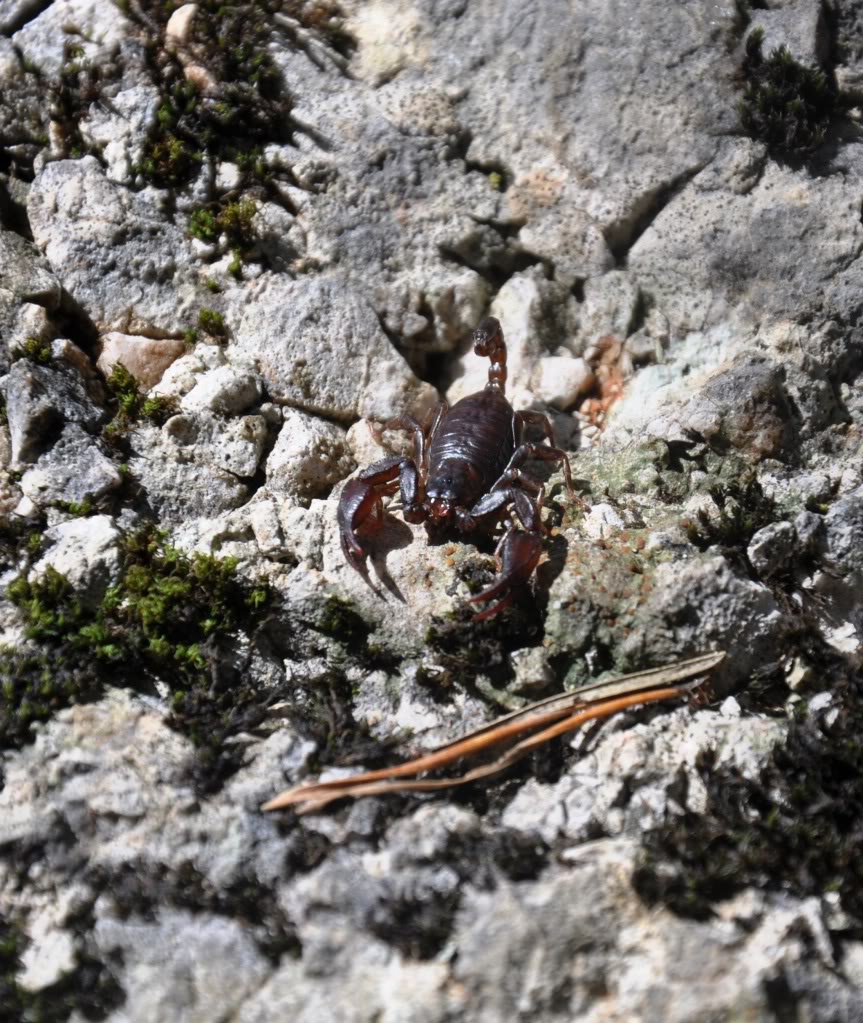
<point>89,989</point>
<point>795,828</point>
<point>786,104</point>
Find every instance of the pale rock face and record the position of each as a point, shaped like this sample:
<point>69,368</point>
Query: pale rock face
<point>560,381</point>
<point>42,41</point>
<point>85,551</point>
<point>145,283</point>
<point>578,170</point>
<point>319,348</point>
<point>145,358</point>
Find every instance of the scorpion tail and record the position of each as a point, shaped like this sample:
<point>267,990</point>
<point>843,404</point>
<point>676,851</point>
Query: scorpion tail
<point>518,554</point>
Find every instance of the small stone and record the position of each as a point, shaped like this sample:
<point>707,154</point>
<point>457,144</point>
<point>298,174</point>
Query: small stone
<point>560,381</point>
<point>145,358</point>
<point>226,390</point>
<point>178,30</point>
<point>266,526</point>
<point>771,549</point>
<point>310,456</point>
<point>601,521</point>
<point>39,399</point>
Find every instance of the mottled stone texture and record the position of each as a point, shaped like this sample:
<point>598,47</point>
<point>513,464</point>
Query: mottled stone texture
<point>296,233</point>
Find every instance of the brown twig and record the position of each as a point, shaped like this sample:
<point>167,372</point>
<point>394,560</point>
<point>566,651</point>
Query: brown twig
<point>553,716</point>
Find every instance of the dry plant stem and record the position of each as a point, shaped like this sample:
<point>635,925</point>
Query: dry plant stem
<point>559,714</point>
<point>315,798</point>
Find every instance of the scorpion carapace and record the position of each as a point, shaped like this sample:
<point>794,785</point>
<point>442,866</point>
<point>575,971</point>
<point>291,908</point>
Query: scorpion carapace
<point>466,472</point>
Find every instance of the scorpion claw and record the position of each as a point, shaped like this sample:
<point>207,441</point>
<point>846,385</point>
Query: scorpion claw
<point>359,507</point>
<point>518,555</point>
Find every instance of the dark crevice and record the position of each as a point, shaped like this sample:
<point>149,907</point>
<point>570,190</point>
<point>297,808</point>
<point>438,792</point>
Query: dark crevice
<point>28,13</point>
<point>622,236</point>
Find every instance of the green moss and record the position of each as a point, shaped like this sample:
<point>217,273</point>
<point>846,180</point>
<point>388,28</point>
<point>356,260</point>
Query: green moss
<point>235,267</point>
<point>212,322</point>
<point>203,225</point>
<point>80,509</point>
<point>171,616</point>
<point>742,509</point>
<point>246,108</point>
<point>34,349</point>
<point>131,406</point>
<point>785,104</point>
<point>339,620</point>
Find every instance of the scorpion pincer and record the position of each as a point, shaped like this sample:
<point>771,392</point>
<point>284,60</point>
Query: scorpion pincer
<point>466,473</point>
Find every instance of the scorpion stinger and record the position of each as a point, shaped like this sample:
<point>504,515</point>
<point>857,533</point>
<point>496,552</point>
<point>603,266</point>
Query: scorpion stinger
<point>466,473</point>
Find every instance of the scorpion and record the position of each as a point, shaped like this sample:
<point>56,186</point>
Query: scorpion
<point>466,473</point>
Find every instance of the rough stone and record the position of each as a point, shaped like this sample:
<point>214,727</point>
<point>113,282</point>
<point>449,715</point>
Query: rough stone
<point>310,455</point>
<point>227,390</point>
<point>73,471</point>
<point>116,255</point>
<point>180,472</point>
<point>771,549</point>
<point>43,40</point>
<point>39,399</point>
<point>320,348</point>
<point>560,381</point>
<point>27,289</point>
<point>86,552</point>
<point>745,407</point>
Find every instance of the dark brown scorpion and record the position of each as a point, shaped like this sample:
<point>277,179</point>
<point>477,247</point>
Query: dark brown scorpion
<point>466,472</point>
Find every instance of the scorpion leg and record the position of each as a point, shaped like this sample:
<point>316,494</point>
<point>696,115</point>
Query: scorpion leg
<point>361,509</point>
<point>541,453</point>
<point>519,550</point>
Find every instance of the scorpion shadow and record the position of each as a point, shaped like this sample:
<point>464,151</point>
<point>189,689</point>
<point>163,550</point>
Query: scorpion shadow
<point>393,535</point>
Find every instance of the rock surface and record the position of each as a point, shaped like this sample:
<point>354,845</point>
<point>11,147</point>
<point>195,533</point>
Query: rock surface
<point>290,237</point>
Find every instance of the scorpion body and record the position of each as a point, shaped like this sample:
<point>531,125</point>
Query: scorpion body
<point>466,472</point>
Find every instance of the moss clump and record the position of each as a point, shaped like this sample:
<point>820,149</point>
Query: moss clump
<point>203,225</point>
<point>34,349</point>
<point>796,828</point>
<point>743,509</point>
<point>785,104</point>
<point>235,220</point>
<point>212,323</point>
<point>132,406</point>
<point>247,106</point>
<point>171,616</point>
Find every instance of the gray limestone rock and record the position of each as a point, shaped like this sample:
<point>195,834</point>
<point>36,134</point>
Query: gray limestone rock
<point>74,470</point>
<point>28,291</point>
<point>744,407</point>
<point>579,171</point>
<point>320,348</point>
<point>39,400</point>
<point>117,255</point>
